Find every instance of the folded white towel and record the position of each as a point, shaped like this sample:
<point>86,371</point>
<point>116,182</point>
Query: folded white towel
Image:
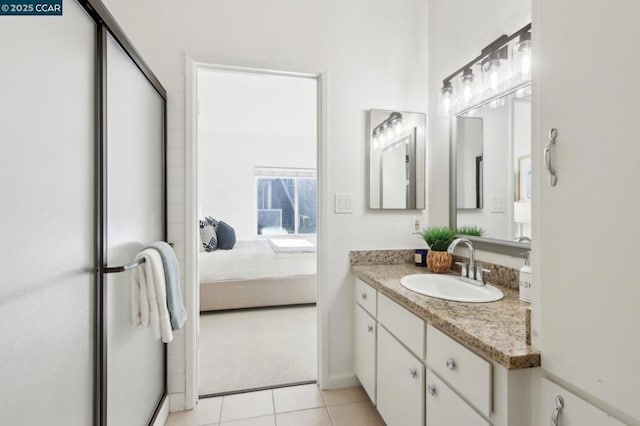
<point>149,296</point>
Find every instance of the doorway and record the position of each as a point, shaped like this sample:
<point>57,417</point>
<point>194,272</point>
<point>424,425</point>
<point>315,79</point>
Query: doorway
<point>257,204</point>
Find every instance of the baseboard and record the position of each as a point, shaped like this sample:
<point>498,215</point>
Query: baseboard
<point>163,413</point>
<point>340,381</point>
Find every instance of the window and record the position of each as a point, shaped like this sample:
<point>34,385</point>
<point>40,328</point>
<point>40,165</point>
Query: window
<point>287,201</point>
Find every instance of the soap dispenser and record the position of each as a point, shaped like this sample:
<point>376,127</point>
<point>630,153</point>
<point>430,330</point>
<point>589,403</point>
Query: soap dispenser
<point>526,281</point>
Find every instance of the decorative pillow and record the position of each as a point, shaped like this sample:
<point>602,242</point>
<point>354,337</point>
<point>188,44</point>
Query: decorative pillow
<point>211,221</point>
<point>208,235</point>
<point>226,236</point>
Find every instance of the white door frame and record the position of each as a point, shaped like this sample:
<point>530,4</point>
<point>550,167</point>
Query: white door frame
<point>192,295</point>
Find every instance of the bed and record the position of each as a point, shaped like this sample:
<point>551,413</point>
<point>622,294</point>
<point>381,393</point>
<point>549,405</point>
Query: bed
<point>269,272</point>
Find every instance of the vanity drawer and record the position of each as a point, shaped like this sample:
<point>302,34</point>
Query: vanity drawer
<point>405,326</point>
<point>463,370</point>
<point>445,407</point>
<point>572,410</point>
<point>366,296</point>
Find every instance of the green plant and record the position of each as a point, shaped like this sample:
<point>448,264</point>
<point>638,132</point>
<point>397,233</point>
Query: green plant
<point>438,238</point>
<point>472,230</point>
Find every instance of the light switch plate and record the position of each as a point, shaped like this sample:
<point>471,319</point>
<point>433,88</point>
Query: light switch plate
<point>343,203</point>
<point>416,225</point>
<point>497,204</point>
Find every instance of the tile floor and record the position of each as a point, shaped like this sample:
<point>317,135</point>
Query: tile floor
<point>304,405</point>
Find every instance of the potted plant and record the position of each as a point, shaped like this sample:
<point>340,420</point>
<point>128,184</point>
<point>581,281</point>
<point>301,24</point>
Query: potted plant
<point>438,239</point>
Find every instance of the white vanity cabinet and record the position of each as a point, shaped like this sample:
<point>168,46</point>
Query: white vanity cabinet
<point>365,329</point>
<point>400,398</point>
<point>365,336</point>
<point>417,375</point>
<point>585,314</point>
<point>400,370</point>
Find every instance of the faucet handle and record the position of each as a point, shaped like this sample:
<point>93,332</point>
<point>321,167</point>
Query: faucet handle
<point>480,273</point>
<point>464,269</point>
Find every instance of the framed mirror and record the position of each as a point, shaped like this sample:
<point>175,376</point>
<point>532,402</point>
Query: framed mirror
<point>396,159</point>
<point>491,169</point>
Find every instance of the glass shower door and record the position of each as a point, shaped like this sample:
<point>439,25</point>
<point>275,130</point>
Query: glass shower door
<point>135,217</point>
<point>47,218</point>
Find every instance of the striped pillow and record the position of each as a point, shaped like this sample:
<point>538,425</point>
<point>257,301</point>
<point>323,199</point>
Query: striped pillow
<point>208,234</point>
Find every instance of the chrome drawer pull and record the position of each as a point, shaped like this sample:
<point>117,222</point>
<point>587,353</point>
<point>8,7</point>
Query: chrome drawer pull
<point>431,390</point>
<point>557,411</point>
<point>370,328</point>
<point>553,178</point>
<point>451,364</point>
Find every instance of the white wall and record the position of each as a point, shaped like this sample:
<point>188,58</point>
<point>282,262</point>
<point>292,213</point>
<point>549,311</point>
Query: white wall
<point>457,31</point>
<point>372,53</point>
<point>247,121</point>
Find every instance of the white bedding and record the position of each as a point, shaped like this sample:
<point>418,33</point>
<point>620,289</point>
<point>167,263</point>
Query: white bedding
<point>254,260</point>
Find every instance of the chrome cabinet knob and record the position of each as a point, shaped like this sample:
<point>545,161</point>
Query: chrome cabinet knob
<point>413,373</point>
<point>557,411</point>
<point>363,296</point>
<point>370,328</point>
<point>451,364</point>
<point>431,390</point>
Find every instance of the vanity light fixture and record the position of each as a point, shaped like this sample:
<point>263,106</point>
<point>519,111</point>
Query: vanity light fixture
<point>463,87</point>
<point>385,131</point>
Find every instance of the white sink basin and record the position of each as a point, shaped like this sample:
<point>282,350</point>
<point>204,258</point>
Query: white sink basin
<point>448,287</point>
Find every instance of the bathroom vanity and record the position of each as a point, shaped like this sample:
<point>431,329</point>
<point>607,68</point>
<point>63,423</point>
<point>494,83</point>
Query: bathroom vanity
<point>422,359</point>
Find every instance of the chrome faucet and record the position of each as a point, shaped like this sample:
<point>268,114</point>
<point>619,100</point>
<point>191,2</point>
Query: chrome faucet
<point>470,273</point>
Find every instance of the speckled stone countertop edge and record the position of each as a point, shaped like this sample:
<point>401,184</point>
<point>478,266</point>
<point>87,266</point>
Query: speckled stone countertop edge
<point>529,359</point>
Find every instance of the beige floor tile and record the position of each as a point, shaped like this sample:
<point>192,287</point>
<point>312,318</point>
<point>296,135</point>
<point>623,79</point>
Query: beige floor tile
<point>254,421</point>
<point>344,395</point>
<point>355,414</point>
<point>297,398</point>
<point>313,417</point>
<point>206,412</point>
<point>245,405</point>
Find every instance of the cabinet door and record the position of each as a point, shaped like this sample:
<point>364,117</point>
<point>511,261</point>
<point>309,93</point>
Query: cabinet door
<point>445,408</point>
<point>365,351</point>
<point>573,411</point>
<point>587,310</point>
<point>400,383</point>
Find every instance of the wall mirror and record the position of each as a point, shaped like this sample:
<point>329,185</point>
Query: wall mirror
<point>491,160</point>
<point>396,159</point>
<point>489,101</point>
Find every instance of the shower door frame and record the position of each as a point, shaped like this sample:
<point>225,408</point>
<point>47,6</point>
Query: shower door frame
<point>106,24</point>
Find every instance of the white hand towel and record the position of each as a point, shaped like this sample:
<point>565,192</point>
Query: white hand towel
<point>139,297</point>
<point>149,296</point>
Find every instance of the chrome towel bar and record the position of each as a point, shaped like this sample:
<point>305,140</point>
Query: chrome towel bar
<point>128,266</point>
<point>123,268</point>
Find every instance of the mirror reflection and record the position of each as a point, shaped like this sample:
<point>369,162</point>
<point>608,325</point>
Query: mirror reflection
<point>396,159</point>
<point>493,167</point>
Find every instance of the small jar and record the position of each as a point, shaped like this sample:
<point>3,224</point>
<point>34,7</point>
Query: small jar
<point>421,257</point>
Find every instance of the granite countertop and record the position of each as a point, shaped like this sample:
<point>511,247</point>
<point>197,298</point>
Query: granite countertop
<point>496,330</point>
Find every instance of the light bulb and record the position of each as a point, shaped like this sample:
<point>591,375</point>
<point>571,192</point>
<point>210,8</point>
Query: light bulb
<point>447,100</point>
<point>493,78</point>
<point>522,54</point>
<point>525,64</point>
<point>467,85</point>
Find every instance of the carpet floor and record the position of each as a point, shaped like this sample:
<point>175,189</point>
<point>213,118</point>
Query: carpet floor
<point>248,349</point>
